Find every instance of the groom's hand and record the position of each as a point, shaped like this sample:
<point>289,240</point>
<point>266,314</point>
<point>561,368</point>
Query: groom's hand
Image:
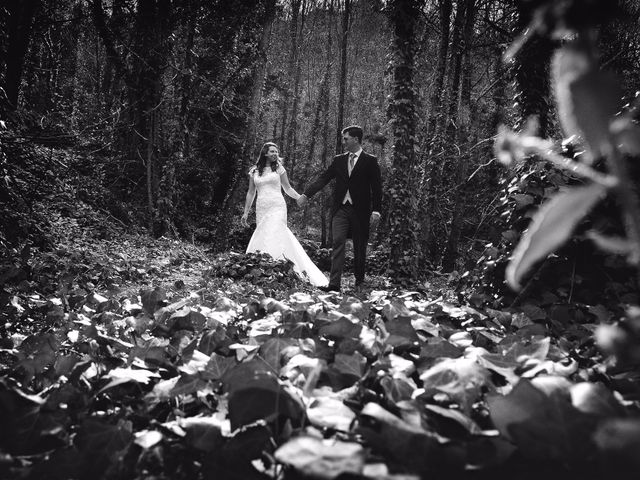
<point>375,219</point>
<point>302,200</point>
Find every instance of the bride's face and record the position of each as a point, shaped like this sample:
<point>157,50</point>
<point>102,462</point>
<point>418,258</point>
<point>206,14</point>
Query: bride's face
<point>272,153</point>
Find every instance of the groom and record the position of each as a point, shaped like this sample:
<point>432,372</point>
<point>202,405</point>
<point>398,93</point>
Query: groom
<point>357,195</point>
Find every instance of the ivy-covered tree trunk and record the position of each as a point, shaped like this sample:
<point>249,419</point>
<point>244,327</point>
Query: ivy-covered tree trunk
<point>403,194</point>
<point>435,114</point>
<point>462,120</point>
<point>443,148</point>
<point>431,178</point>
<point>531,71</point>
<point>19,20</point>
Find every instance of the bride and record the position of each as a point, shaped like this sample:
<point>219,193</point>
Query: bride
<point>268,177</point>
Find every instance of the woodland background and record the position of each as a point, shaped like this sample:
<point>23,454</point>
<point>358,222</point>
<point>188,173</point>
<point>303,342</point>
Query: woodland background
<point>162,105</point>
<point>137,341</point>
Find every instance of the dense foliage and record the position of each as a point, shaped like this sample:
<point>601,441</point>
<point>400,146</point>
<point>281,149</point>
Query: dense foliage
<point>131,358</point>
<point>124,356</point>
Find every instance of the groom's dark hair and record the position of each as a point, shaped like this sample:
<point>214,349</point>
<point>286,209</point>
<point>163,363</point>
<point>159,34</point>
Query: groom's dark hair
<point>354,131</point>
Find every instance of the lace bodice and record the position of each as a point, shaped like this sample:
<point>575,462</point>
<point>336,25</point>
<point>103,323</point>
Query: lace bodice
<point>270,202</point>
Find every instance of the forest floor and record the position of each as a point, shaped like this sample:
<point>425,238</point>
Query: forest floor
<point>123,356</point>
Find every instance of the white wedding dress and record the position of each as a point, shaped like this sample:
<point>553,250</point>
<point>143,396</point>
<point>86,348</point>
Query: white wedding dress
<point>272,235</point>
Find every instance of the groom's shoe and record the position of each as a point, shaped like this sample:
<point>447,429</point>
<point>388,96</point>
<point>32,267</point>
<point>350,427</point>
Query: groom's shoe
<point>330,288</point>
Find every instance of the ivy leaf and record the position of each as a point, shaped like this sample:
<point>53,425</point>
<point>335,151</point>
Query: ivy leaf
<point>27,427</point>
<point>595,399</point>
<point>255,393</point>
<point>328,412</point>
<point>398,387</point>
<point>351,365</point>
<point>341,328</point>
<point>219,365</point>
<point>618,441</point>
<point>152,299</point>
<point>401,333</point>
<point>461,378</point>
<point>203,433</point>
<point>627,136</point>
<point>439,348</point>
<point>123,375</point>
<point>587,98</point>
<point>188,384</point>
<point>36,353</point>
<point>544,425</point>
<point>407,444</point>
<point>551,227</point>
<point>101,444</point>
<point>323,459</point>
<point>272,351</point>
<point>455,418</point>
<point>148,438</point>
<point>216,340</point>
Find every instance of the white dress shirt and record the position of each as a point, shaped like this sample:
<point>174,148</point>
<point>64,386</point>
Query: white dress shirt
<point>347,198</point>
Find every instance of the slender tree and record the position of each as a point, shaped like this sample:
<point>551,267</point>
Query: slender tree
<point>461,121</point>
<point>19,20</point>
<point>291,70</point>
<point>342,76</point>
<point>292,132</point>
<point>403,16</point>
<point>431,178</point>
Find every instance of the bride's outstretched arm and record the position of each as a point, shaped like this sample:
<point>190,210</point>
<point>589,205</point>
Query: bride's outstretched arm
<point>286,186</point>
<point>251,194</point>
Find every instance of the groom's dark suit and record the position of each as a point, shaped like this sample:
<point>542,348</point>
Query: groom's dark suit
<point>365,189</point>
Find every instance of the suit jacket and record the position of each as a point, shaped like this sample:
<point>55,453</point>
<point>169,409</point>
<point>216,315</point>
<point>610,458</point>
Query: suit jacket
<point>364,184</point>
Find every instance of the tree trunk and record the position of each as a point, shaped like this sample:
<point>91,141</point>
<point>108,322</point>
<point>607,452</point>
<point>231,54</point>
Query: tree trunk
<point>258,84</point>
<point>404,181</point>
<point>185,94</point>
<point>531,72</point>
<point>151,50</point>
<point>292,134</point>
<point>150,172</point>
<point>444,145</point>
<point>431,179</point>
<point>463,119</point>
<point>20,21</point>
<point>324,228</point>
<point>444,10</point>
<point>291,73</point>
<point>342,81</point>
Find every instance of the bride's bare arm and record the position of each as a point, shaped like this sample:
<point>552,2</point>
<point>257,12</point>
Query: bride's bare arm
<point>286,186</point>
<point>251,194</point>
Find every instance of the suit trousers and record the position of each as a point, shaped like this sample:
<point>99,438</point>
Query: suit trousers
<point>344,220</point>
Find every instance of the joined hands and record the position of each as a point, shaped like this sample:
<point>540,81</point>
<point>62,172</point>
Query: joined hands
<point>302,200</point>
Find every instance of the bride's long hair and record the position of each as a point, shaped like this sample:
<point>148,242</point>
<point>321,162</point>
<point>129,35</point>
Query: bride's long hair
<point>262,158</point>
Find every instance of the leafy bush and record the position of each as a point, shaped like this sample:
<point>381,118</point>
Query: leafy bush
<point>260,269</point>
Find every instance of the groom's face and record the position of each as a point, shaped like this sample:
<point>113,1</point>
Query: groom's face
<point>351,144</point>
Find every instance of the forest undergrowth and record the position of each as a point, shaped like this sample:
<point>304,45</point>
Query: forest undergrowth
<point>130,357</point>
